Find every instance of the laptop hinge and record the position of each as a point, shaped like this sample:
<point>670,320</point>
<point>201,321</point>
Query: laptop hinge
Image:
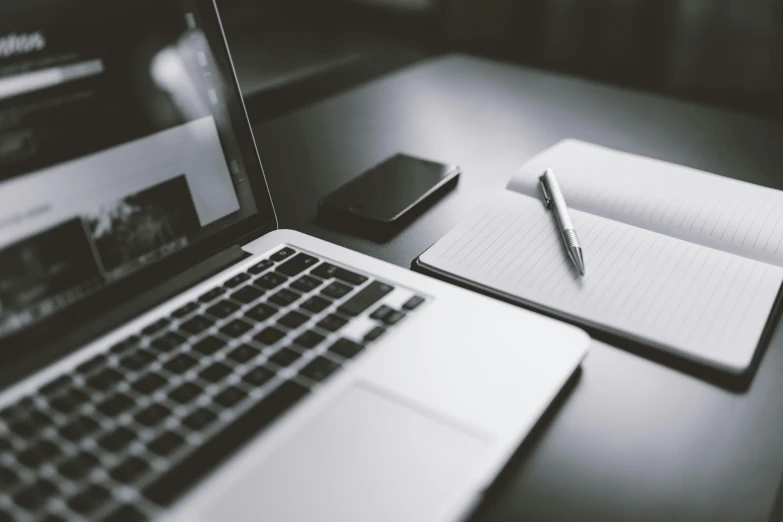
<point>38,359</point>
<point>190,277</point>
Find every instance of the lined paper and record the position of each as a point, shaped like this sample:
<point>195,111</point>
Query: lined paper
<point>677,201</point>
<point>696,301</point>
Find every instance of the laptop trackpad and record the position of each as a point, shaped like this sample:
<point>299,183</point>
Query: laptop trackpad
<point>364,457</point>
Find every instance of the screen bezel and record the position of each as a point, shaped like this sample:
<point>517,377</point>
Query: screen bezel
<point>87,315</point>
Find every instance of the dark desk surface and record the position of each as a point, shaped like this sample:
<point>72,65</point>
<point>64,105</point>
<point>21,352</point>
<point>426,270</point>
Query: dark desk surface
<point>634,440</point>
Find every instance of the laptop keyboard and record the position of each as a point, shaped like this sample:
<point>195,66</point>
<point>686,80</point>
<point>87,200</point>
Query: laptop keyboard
<point>132,429</point>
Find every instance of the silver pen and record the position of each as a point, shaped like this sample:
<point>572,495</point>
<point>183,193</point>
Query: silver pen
<point>554,200</point>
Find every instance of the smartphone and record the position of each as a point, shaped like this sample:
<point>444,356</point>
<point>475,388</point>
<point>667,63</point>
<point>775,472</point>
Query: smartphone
<point>390,192</point>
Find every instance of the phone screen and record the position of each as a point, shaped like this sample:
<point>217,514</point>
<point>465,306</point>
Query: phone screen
<point>389,190</point>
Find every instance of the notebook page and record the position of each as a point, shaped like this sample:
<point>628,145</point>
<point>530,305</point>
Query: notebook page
<point>702,303</point>
<point>697,206</point>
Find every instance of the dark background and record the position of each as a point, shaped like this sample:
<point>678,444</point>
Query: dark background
<point>727,53</point>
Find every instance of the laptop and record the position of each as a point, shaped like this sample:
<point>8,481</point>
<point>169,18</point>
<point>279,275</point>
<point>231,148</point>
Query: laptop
<point>166,352</point>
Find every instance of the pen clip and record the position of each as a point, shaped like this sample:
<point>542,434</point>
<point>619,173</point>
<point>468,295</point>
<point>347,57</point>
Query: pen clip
<point>547,199</point>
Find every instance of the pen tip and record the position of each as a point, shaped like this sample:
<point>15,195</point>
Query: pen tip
<point>579,261</point>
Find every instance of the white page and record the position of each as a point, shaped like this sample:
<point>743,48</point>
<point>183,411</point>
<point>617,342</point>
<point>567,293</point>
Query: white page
<point>723,213</point>
<point>706,304</point>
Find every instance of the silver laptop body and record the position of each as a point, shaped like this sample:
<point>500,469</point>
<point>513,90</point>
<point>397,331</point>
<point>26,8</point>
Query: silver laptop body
<point>168,353</point>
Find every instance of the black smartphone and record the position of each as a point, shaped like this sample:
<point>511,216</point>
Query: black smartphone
<point>390,192</point>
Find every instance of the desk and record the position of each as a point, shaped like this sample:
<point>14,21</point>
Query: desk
<point>634,440</point>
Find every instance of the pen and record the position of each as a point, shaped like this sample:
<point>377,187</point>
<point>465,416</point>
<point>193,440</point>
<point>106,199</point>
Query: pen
<point>554,200</point>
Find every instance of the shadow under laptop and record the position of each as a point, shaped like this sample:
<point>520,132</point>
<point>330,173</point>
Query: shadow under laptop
<point>506,476</point>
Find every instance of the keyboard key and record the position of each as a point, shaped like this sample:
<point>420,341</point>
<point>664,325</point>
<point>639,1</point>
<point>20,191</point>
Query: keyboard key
<point>319,369</point>
<point>185,393</point>
<point>269,335</point>
<point>104,380</point>
<point>199,419</point>
<point>78,466</point>
<point>394,317</point>
<point>413,302</point>
<point>155,327</point>
<point>222,309</point>
<point>197,324</point>
<point>56,385</point>
<point>5,516</point>
<point>297,264</point>
<point>236,280</point>
<point>336,290</point>
<point>36,416</point>
<point>126,513</point>
<point>293,319</point>
<point>350,277</point>
<point>332,323</point>
<point>261,312</point>
<point>49,518</point>
<point>258,376</point>
<point>179,478</point>
<point>381,312</point>
<point>236,328</point>
<point>247,294</point>
<point>306,283</point>
<point>230,396</point>
<point>182,311</point>
<point>89,499</point>
<point>346,348</point>
<point>243,353</point>
<point>212,294</point>
<point>92,364</point>
<point>124,346</point>
<point>38,454</point>
<point>215,372</point>
<point>366,297</point>
<point>285,357</point>
<point>5,444</point>
<point>180,364</point>
<point>69,401</point>
<point>117,439</point>
<point>8,478</point>
<point>328,271</point>
<point>166,444</point>
<point>116,404</point>
<point>260,267</point>
<point>79,428</point>
<point>36,495</point>
<point>282,254</point>
<point>137,360</point>
<point>152,415</point>
<point>309,339</point>
<point>149,383</point>
<point>324,271</point>
<point>374,333</point>
<point>285,297</point>
<point>316,304</point>
<point>168,342</point>
<point>18,409</point>
<point>31,424</point>
<point>209,345</point>
<point>131,469</point>
<point>39,418</point>
<point>270,280</point>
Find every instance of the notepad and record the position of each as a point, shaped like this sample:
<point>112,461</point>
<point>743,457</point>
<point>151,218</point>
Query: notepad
<point>679,259</point>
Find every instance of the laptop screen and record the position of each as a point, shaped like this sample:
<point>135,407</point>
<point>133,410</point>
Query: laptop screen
<point>117,147</point>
